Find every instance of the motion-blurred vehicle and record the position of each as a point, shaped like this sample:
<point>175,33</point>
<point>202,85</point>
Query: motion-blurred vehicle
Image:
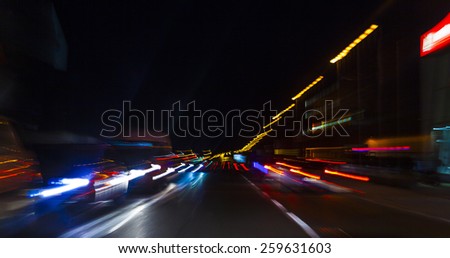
<point>395,176</point>
<point>140,156</point>
<point>75,171</point>
<point>18,175</point>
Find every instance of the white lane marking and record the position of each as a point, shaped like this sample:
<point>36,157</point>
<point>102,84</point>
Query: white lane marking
<point>279,205</point>
<point>345,233</point>
<point>252,184</point>
<point>303,225</point>
<point>138,209</point>
<point>110,223</point>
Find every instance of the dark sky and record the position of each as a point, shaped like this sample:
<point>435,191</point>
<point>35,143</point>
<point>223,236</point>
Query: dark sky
<point>222,54</point>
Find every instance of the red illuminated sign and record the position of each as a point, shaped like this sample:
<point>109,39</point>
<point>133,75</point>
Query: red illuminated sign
<point>436,38</point>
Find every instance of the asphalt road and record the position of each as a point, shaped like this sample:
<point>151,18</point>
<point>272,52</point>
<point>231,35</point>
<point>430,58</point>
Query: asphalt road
<point>228,203</point>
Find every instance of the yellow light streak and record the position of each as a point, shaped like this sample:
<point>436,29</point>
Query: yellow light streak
<point>354,43</point>
<point>307,88</point>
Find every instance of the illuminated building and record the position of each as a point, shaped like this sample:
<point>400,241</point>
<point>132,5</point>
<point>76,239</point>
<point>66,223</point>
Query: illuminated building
<point>386,73</point>
<point>435,89</point>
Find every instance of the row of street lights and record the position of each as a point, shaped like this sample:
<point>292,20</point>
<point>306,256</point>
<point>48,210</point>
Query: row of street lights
<point>276,118</point>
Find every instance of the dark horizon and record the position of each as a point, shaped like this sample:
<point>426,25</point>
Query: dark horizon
<point>221,55</point>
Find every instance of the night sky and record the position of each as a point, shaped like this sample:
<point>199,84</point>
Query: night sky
<point>222,54</point>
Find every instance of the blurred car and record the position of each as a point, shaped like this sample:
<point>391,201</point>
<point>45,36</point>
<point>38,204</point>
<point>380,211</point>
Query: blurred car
<point>18,175</point>
<point>139,156</point>
<point>75,171</point>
